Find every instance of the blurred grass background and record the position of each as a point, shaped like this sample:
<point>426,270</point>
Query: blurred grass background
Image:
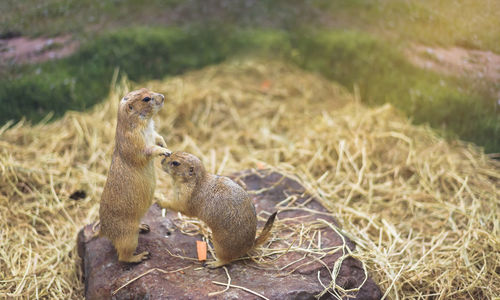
<point>358,43</point>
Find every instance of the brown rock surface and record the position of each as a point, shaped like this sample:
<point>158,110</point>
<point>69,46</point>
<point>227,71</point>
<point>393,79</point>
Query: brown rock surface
<point>303,227</point>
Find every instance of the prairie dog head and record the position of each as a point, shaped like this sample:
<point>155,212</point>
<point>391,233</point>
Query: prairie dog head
<point>140,105</point>
<point>183,166</point>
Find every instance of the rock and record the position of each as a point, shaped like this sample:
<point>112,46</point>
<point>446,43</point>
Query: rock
<point>303,226</point>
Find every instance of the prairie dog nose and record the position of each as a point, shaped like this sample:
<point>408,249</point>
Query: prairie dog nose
<point>159,98</point>
<point>162,97</point>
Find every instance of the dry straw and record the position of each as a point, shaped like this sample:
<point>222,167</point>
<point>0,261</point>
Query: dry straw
<point>424,212</point>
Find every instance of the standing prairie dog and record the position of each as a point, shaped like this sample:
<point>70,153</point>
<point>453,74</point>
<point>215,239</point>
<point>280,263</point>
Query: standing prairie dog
<point>130,186</point>
<point>219,202</point>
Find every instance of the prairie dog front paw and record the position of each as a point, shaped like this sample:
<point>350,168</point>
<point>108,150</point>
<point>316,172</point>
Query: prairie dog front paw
<point>167,152</point>
<point>160,141</point>
<point>157,151</point>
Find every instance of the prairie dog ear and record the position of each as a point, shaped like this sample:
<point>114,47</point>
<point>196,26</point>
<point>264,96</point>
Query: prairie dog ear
<point>124,99</point>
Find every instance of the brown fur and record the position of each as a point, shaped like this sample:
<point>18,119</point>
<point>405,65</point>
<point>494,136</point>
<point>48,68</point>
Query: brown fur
<point>218,201</point>
<point>130,186</point>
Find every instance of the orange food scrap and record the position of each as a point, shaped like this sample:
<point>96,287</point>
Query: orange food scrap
<point>260,166</point>
<point>265,85</point>
<point>201,248</point>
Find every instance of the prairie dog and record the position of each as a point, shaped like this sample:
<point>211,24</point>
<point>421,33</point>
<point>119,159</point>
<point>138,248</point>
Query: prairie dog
<point>131,181</point>
<point>219,202</point>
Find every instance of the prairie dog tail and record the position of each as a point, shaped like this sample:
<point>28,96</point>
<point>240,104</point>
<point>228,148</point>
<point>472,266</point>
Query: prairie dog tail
<point>266,231</point>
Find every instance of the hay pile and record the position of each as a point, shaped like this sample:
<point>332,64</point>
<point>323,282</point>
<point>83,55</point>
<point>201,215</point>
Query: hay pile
<point>424,212</point>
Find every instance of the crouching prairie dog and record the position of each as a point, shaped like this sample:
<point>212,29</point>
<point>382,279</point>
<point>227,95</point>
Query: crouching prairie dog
<point>219,202</point>
<point>130,185</point>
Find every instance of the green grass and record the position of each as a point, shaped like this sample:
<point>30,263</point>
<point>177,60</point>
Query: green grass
<point>383,75</point>
<point>83,79</point>
<point>468,23</point>
<point>55,17</point>
<point>349,57</point>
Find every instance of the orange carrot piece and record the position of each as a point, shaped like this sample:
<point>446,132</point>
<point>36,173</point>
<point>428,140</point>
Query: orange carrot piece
<point>201,248</point>
<point>260,166</point>
<point>265,85</point>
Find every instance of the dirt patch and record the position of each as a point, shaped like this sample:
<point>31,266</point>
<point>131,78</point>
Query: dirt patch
<point>23,50</point>
<point>457,61</point>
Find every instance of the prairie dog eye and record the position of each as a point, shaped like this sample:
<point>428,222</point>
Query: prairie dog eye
<point>176,163</point>
<point>146,99</point>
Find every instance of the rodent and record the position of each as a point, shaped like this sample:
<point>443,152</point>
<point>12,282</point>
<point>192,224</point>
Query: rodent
<point>219,202</point>
<point>129,188</point>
